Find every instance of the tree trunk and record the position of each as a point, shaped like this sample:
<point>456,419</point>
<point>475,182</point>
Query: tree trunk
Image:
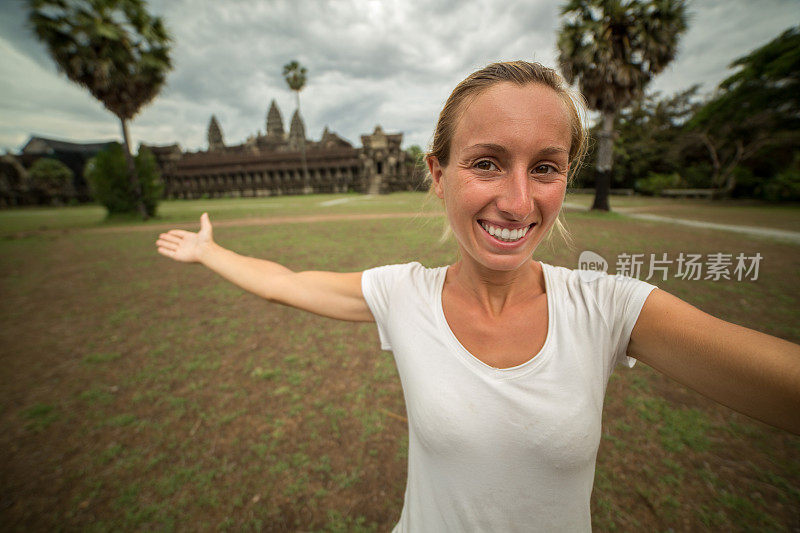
<point>136,185</point>
<point>712,153</point>
<point>723,180</point>
<point>306,185</point>
<point>728,176</point>
<point>605,162</point>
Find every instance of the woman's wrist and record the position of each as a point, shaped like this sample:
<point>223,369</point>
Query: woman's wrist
<point>205,250</point>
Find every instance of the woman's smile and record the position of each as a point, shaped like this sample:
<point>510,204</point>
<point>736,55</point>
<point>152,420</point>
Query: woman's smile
<point>503,233</point>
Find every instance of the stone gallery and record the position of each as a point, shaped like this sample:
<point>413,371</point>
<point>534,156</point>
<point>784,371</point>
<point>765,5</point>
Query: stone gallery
<point>275,163</point>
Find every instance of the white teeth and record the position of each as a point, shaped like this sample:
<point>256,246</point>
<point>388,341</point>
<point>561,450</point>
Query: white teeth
<point>505,234</point>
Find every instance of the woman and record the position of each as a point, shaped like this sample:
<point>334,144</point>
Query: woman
<point>504,360</point>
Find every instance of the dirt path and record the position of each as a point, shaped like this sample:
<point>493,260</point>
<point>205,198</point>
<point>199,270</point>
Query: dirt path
<point>785,235</point>
<point>251,221</point>
<point>791,236</point>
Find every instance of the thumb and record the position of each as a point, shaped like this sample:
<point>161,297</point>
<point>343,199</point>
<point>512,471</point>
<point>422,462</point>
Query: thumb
<point>205,223</point>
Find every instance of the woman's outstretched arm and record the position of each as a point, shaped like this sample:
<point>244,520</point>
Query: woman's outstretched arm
<point>325,293</point>
<point>754,373</point>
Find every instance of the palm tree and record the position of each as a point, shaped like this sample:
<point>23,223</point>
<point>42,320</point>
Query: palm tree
<point>113,48</point>
<point>613,48</point>
<point>295,75</point>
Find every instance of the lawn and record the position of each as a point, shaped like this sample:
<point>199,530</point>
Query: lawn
<point>142,394</point>
<point>33,220</point>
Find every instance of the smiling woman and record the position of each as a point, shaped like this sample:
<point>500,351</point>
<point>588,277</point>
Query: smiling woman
<point>504,360</point>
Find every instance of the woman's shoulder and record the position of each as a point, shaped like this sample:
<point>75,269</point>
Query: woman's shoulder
<point>590,280</point>
<point>413,268</point>
<point>611,299</point>
<point>405,274</point>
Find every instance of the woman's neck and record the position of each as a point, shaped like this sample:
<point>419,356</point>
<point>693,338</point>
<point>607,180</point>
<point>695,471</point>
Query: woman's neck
<point>494,290</point>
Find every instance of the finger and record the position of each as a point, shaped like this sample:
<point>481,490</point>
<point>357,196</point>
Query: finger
<point>165,252</point>
<point>179,232</point>
<point>170,238</point>
<point>166,244</point>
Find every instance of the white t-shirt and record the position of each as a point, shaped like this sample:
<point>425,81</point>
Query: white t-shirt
<point>503,449</point>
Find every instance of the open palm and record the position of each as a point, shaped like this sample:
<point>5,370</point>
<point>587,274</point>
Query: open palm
<point>186,246</point>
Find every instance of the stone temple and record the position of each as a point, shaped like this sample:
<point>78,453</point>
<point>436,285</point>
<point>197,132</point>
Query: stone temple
<point>272,163</point>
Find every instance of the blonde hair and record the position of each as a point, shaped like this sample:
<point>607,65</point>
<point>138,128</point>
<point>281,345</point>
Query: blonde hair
<point>519,73</point>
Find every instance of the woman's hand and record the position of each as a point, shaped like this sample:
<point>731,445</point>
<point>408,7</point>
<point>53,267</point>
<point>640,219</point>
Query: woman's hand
<point>186,246</point>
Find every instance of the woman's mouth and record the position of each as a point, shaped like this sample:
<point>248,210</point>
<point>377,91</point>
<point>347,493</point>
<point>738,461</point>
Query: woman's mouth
<point>505,234</point>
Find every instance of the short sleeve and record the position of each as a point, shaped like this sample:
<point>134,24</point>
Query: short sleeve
<point>623,300</point>
<point>377,285</point>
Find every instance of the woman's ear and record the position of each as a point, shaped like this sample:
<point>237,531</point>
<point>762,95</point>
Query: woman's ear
<point>436,175</point>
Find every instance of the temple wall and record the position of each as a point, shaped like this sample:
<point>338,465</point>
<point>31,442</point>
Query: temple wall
<point>337,170</point>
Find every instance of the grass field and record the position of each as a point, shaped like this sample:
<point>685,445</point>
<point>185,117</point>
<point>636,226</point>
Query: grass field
<point>139,394</point>
<point>181,212</point>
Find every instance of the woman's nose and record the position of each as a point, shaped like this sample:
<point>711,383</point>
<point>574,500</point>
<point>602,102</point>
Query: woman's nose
<point>515,199</point>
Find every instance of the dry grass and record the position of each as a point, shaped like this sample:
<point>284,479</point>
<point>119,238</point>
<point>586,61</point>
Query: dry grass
<point>140,394</point>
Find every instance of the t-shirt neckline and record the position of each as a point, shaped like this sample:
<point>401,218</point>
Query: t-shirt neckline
<point>475,363</point>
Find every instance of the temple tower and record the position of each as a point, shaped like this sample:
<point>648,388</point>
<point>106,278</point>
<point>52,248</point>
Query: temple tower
<point>215,141</point>
<point>275,122</point>
<point>297,132</point>
<point>382,160</point>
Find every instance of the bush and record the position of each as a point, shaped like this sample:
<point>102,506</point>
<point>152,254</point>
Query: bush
<point>698,175</point>
<point>107,176</point>
<point>748,185</point>
<point>654,183</point>
<point>784,187</point>
<point>50,179</point>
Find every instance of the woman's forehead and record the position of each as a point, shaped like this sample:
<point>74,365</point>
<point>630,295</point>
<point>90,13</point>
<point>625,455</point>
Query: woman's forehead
<point>507,107</point>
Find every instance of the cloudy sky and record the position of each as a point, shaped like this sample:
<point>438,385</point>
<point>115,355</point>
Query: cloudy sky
<point>387,62</point>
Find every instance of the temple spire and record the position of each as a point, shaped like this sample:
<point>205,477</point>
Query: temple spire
<point>215,141</point>
<point>297,131</point>
<point>275,122</point>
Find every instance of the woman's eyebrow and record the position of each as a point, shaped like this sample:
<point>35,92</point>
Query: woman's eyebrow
<point>554,150</point>
<point>550,150</point>
<point>488,146</point>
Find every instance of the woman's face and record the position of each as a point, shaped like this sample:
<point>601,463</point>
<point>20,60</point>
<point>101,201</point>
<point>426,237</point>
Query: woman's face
<point>505,181</point>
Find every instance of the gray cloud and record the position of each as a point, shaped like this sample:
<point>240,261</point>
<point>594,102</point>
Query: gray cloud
<point>15,31</point>
<point>370,62</point>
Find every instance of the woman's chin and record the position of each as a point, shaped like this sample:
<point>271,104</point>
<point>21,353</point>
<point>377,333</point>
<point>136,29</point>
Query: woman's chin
<point>499,263</point>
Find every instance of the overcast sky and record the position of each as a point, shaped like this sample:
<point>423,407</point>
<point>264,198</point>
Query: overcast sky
<point>387,62</point>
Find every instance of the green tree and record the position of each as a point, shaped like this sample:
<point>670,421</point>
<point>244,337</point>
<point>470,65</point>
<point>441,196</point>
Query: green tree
<point>752,124</point>
<point>296,76</point>
<point>416,154</point>
<point>50,179</point>
<point>107,176</point>
<point>612,49</point>
<point>415,160</point>
<point>651,138</point>
<point>113,48</point>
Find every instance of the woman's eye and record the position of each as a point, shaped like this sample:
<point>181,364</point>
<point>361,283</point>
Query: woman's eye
<point>544,169</point>
<point>485,164</point>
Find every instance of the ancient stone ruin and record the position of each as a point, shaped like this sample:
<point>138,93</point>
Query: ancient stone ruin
<point>271,163</point>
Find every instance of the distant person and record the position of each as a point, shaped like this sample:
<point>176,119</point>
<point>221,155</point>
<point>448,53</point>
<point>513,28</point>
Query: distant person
<point>504,360</point>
